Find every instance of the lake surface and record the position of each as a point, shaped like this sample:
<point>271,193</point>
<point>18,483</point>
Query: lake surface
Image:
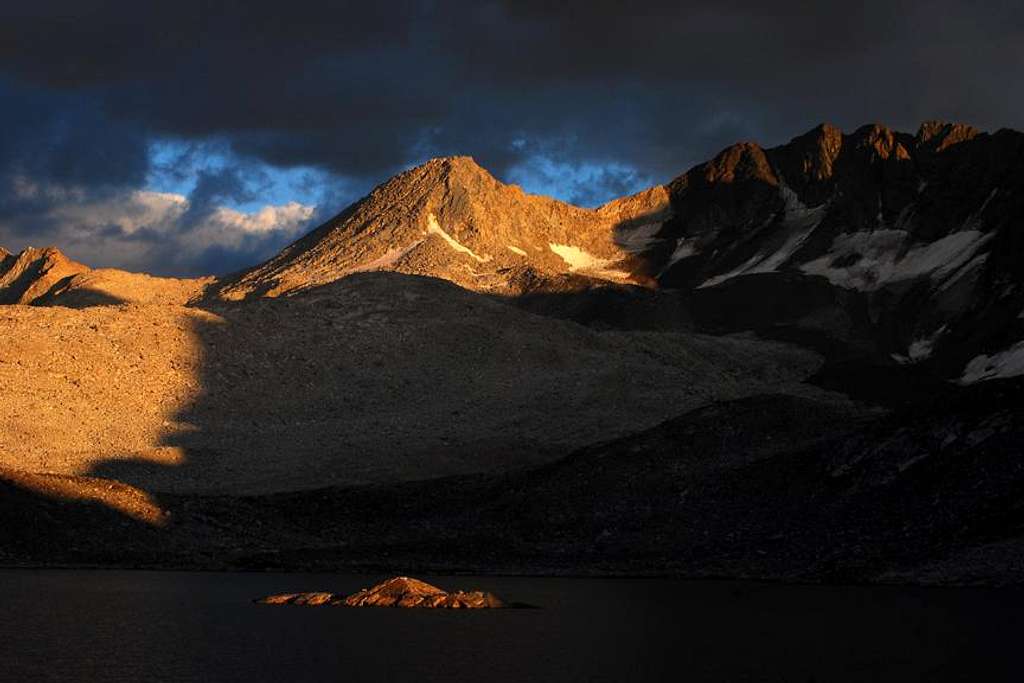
<point>170,626</point>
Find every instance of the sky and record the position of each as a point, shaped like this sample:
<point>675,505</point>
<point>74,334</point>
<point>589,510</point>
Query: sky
<point>185,138</point>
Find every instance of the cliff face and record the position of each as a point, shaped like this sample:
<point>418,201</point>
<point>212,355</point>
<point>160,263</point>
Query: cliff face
<point>900,243</point>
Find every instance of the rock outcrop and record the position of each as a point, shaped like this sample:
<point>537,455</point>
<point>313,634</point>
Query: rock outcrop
<point>33,273</point>
<point>47,277</point>
<point>400,591</point>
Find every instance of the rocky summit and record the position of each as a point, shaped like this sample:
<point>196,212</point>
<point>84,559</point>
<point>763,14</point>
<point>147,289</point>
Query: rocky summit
<point>451,219</point>
<point>400,591</point>
<point>799,362</point>
<point>47,277</point>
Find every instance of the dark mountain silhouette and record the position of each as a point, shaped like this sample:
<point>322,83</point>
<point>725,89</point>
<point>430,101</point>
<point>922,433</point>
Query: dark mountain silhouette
<point>899,244</point>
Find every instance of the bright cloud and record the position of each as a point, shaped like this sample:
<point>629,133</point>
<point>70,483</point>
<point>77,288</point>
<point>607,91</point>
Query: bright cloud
<point>153,231</point>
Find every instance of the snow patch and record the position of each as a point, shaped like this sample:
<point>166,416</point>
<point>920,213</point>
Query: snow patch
<point>796,213</point>
<point>971,266</point>
<point>639,238</point>
<point>1006,363</point>
<point>988,200</point>
<point>974,220</point>
<point>515,250</point>
<point>764,263</point>
<point>749,266</point>
<point>921,349</point>
<point>434,228</point>
<point>942,257</point>
<point>390,258</point>
<point>579,260</point>
<point>876,258</point>
<point>798,220</point>
<point>685,248</point>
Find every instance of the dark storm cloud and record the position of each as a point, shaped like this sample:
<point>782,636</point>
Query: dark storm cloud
<point>66,137</point>
<point>361,89</point>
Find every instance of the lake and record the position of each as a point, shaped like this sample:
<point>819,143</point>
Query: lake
<point>176,626</point>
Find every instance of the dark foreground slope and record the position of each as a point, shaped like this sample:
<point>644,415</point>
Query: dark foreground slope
<point>769,486</point>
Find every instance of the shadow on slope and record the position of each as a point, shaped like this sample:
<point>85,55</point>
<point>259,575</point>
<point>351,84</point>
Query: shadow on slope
<point>80,298</point>
<point>764,487</point>
<point>768,486</point>
<point>608,306</point>
<point>383,377</point>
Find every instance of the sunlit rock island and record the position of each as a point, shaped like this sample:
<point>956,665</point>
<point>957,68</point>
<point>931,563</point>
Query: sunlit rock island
<point>400,591</point>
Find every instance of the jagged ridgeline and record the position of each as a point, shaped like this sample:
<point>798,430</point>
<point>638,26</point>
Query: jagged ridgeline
<point>901,247</point>
<point>908,245</point>
<point>48,277</point>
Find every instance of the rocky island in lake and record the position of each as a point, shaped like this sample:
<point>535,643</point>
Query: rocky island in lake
<point>400,591</point>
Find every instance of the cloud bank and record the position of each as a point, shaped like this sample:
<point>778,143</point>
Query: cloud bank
<point>582,100</point>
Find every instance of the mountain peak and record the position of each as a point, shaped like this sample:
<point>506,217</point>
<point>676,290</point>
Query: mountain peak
<point>742,161</point>
<point>454,161</point>
<point>939,135</point>
<point>450,218</point>
<point>50,252</point>
<point>817,150</point>
<point>460,166</point>
<point>33,272</point>
<point>880,141</point>
<point>451,164</point>
<point>827,129</point>
<point>48,256</point>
